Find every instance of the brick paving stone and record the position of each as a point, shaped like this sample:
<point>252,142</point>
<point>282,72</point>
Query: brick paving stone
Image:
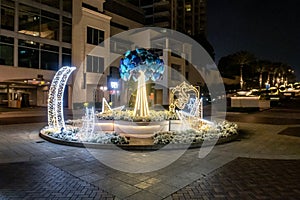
<point>37,180</point>
<point>247,178</point>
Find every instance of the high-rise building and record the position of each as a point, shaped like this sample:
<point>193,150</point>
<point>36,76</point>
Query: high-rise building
<point>186,16</point>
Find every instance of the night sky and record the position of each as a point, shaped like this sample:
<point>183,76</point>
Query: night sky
<point>270,29</point>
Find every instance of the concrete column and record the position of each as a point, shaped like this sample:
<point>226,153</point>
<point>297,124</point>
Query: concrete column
<point>16,30</point>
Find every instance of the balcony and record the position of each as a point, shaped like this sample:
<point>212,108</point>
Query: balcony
<point>162,14</point>
<point>162,24</point>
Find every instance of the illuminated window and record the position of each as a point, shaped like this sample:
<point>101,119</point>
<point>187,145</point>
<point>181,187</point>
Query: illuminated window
<point>29,20</point>
<point>49,25</point>
<point>38,23</point>
<point>188,8</point>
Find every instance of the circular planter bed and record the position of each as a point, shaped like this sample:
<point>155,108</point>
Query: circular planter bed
<point>136,146</point>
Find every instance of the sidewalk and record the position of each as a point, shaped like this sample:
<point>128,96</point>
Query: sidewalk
<point>28,115</point>
<point>261,164</point>
<point>19,112</point>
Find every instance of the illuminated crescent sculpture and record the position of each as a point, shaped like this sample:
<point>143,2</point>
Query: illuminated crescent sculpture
<point>55,98</point>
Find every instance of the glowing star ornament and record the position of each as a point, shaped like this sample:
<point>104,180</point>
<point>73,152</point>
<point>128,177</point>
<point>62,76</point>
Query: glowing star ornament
<point>141,65</point>
<point>105,106</point>
<point>55,98</point>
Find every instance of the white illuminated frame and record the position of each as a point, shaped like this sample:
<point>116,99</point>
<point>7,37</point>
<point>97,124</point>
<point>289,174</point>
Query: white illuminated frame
<point>55,98</point>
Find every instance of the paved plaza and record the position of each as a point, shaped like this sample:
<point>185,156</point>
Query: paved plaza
<point>263,163</point>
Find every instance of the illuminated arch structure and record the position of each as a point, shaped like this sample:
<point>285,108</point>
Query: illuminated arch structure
<point>55,98</point>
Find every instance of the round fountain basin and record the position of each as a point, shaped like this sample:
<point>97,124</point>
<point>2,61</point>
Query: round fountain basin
<point>104,125</point>
<point>140,129</point>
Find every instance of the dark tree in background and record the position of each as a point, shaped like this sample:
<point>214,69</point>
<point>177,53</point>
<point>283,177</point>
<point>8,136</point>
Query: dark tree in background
<point>239,63</point>
<point>253,72</point>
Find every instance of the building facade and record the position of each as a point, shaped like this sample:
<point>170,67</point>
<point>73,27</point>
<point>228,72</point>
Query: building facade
<point>37,37</point>
<point>35,40</point>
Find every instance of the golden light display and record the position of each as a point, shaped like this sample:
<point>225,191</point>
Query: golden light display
<point>141,104</point>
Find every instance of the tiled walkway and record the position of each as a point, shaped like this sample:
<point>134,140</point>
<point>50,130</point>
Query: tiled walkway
<point>246,178</point>
<point>37,180</point>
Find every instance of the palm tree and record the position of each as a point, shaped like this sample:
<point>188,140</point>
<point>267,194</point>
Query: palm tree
<point>270,69</point>
<point>280,73</point>
<point>243,58</point>
<point>261,67</point>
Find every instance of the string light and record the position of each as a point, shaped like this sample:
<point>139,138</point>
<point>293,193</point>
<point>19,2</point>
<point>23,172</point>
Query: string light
<point>55,98</point>
<point>141,104</point>
<point>183,92</point>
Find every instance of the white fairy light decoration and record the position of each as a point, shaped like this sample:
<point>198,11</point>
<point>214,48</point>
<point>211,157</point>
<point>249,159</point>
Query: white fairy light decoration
<point>88,121</point>
<point>189,103</point>
<point>105,106</point>
<point>55,98</point>
<point>187,96</point>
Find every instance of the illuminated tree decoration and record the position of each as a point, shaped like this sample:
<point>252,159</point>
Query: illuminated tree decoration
<point>141,60</point>
<point>141,65</point>
<point>55,98</point>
